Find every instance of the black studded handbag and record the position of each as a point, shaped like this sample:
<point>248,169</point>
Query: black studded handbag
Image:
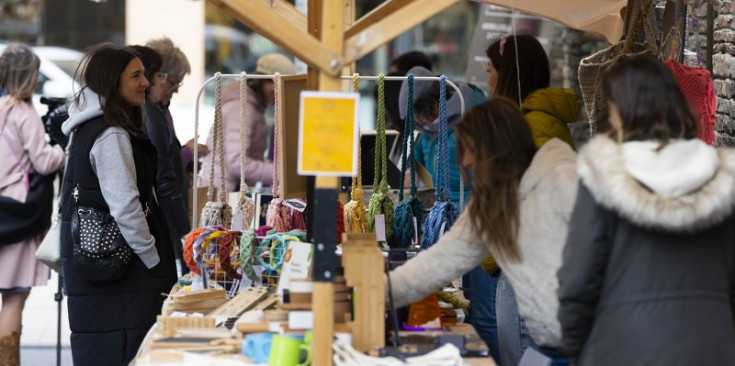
<point>100,252</point>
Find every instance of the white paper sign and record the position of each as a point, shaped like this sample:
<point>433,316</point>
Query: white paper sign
<point>297,265</point>
<point>237,221</point>
<point>415,232</point>
<point>380,227</point>
<point>295,204</point>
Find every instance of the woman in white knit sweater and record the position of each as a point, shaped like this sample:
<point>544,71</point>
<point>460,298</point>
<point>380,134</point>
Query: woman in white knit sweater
<point>520,207</point>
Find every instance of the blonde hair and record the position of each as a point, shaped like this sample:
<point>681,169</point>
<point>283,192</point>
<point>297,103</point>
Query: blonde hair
<point>19,71</point>
<point>174,60</point>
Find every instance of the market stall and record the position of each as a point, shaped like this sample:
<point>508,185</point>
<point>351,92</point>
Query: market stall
<point>311,289</point>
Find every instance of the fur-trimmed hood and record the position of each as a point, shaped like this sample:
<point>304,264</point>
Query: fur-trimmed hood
<point>685,187</point>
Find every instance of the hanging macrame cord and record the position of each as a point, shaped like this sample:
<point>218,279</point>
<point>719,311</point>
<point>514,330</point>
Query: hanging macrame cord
<point>355,214</point>
<point>278,215</point>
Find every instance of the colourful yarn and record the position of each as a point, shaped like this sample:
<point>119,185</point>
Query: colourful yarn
<point>444,213</point>
<point>405,212</point>
<point>354,213</point>
<point>340,221</point>
<point>276,252</point>
<point>225,248</point>
<point>189,249</point>
<point>247,254</point>
<point>380,202</point>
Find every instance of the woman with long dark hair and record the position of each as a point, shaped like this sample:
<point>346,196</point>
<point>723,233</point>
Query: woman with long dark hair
<point>112,169</point>
<point>518,68</point>
<point>520,203</point>
<point>25,152</point>
<point>649,265</point>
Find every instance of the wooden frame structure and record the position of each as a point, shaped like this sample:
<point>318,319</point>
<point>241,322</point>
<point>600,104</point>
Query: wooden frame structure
<point>328,41</point>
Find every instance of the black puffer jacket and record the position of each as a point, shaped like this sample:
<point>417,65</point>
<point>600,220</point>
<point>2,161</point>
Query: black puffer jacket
<point>109,320</point>
<point>649,266</point>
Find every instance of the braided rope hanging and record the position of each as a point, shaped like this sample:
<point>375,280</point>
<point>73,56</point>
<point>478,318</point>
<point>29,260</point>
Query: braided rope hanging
<point>380,202</point>
<point>444,213</point>
<point>278,215</point>
<point>245,204</point>
<point>413,208</point>
<point>217,212</point>
<point>355,214</point>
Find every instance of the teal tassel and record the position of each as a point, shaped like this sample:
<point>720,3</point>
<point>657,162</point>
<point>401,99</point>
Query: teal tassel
<point>406,211</point>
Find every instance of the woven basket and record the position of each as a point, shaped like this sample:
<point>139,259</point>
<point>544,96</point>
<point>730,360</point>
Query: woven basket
<point>593,68</point>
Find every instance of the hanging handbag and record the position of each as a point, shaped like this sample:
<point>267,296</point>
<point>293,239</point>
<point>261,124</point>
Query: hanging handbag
<point>23,220</point>
<point>593,68</point>
<point>100,252</point>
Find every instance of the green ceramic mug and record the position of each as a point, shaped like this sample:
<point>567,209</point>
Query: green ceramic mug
<point>286,351</point>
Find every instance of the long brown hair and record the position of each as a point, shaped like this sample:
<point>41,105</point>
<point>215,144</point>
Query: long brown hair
<point>498,136</point>
<point>649,100</point>
<point>101,69</point>
<point>532,62</point>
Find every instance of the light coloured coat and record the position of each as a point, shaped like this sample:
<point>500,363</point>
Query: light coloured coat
<point>547,192</point>
<point>23,137</point>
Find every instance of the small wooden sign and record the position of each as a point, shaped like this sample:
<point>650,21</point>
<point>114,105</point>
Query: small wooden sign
<point>328,133</point>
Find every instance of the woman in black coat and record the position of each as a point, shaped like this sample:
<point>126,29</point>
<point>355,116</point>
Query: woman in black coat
<point>649,266</point>
<point>112,168</point>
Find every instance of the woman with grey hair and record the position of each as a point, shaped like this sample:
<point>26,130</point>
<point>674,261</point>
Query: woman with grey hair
<point>25,152</point>
<point>175,67</point>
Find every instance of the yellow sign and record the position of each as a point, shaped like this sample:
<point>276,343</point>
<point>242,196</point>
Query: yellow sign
<point>328,133</point>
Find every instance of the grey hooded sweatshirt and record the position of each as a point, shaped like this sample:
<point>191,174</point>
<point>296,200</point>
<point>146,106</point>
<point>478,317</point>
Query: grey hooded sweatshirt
<point>112,160</point>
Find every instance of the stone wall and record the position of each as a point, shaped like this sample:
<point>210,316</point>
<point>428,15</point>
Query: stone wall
<point>723,61</point>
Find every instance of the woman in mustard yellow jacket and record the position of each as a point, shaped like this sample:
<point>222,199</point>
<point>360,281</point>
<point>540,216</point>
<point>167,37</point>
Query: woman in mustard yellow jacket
<point>525,80</point>
<point>547,110</point>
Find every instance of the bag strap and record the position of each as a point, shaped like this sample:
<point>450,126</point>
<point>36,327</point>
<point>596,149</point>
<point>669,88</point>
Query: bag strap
<point>442,174</point>
<point>407,153</point>
<point>243,127</point>
<point>276,131</point>
<point>643,21</point>
<point>357,181</point>
<point>380,153</point>
<point>217,149</point>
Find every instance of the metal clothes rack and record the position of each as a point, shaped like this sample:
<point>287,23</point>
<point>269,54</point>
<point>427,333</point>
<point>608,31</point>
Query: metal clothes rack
<point>194,213</point>
<point>425,78</point>
<point>194,217</point>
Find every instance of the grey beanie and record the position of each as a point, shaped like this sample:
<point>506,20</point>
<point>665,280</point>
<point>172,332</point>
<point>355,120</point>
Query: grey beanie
<point>419,88</point>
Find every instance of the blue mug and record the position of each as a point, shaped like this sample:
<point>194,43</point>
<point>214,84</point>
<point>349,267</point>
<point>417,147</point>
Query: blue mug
<point>257,347</point>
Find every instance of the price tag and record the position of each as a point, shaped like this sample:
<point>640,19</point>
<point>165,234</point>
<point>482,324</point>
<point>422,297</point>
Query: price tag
<point>380,227</point>
<point>441,231</point>
<point>415,231</point>
<point>295,204</point>
<point>237,221</point>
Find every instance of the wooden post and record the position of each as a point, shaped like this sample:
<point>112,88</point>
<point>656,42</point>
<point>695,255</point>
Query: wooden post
<point>325,231</point>
<point>364,264</point>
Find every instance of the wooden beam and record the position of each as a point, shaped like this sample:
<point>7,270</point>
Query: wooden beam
<point>391,26</point>
<point>273,20</point>
<point>382,11</point>
<point>332,31</point>
<point>314,16</point>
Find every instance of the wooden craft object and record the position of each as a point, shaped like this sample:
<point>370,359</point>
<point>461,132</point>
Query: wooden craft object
<point>168,326</point>
<point>364,264</point>
<point>206,305</point>
<point>296,306</point>
<point>247,328</point>
<point>209,293</point>
<point>242,302</point>
<point>268,303</point>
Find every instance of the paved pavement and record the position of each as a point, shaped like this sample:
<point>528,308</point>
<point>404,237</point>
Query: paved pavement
<point>38,339</point>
